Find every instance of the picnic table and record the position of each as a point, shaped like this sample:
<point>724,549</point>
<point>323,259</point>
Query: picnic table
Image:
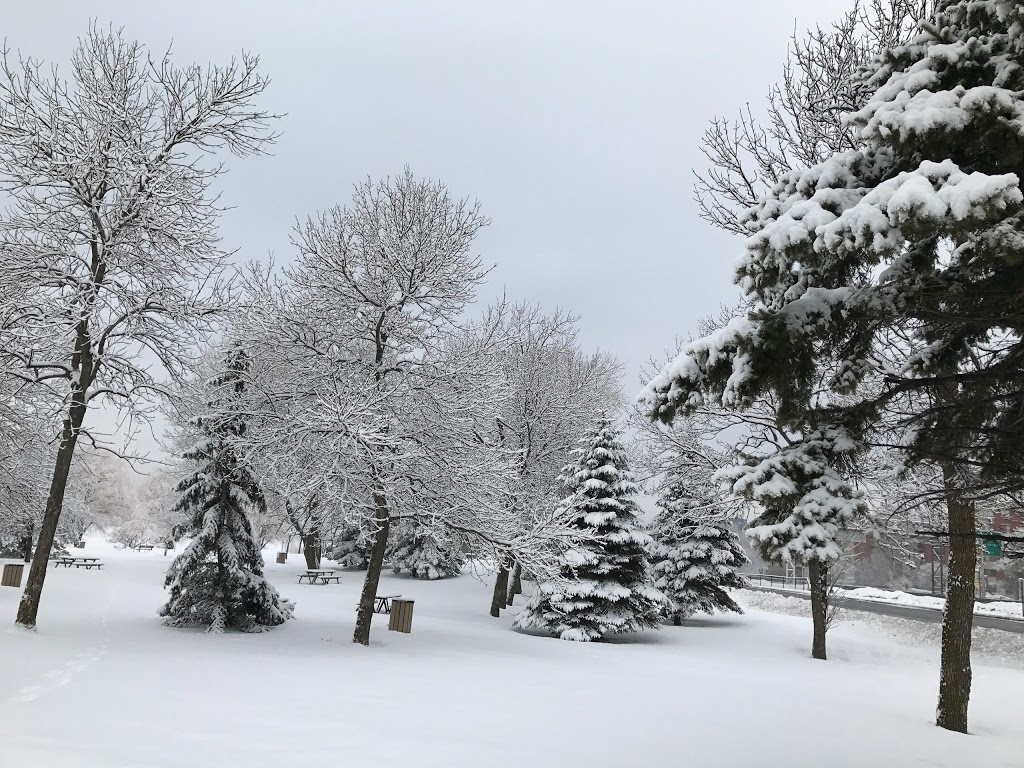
<point>383,603</point>
<point>320,576</point>
<point>79,562</point>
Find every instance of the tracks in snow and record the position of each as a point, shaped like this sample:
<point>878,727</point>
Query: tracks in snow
<point>55,679</point>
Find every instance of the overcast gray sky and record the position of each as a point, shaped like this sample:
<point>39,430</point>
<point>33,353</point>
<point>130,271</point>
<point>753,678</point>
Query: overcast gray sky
<point>576,124</point>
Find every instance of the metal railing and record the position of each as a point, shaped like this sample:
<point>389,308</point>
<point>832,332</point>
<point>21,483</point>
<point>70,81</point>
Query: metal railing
<point>792,583</point>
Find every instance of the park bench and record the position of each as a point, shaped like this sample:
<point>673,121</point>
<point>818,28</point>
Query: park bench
<point>319,576</point>
<point>79,562</point>
<point>383,603</point>
<point>141,547</point>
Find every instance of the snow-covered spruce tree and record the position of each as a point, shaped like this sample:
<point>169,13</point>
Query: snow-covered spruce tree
<point>218,579</point>
<point>694,557</point>
<point>806,502</point>
<point>352,548</point>
<point>916,232</point>
<point>605,584</point>
<point>798,474</point>
<point>424,554</point>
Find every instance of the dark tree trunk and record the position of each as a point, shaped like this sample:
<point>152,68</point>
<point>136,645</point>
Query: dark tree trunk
<point>818,575</point>
<point>364,614</point>
<point>26,543</point>
<point>517,580</point>
<point>311,549</point>
<point>28,608</point>
<point>222,573</point>
<point>958,618</point>
<point>500,591</point>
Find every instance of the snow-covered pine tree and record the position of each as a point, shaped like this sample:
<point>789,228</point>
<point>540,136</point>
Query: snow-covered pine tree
<point>694,556</point>
<point>914,234</point>
<point>218,579</point>
<point>424,554</point>
<point>352,549</point>
<point>605,584</point>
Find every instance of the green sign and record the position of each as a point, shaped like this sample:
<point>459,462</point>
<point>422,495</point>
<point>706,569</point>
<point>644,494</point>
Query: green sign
<point>993,547</point>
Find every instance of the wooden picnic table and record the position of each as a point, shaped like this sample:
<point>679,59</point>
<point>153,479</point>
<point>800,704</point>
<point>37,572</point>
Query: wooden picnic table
<point>79,562</point>
<point>383,603</point>
<point>320,576</point>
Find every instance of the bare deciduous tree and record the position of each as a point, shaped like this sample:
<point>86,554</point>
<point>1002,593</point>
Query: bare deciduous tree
<point>113,225</point>
<point>804,122</point>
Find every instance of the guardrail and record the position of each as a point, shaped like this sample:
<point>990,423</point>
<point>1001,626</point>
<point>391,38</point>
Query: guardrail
<point>802,584</point>
<point>793,583</point>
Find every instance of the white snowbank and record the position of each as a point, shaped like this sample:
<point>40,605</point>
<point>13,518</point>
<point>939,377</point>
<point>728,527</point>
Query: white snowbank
<point>993,647</point>
<point>1003,609</point>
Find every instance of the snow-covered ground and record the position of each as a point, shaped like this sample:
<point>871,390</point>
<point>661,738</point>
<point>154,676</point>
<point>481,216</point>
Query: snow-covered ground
<point>990,647</point>
<point>102,683</point>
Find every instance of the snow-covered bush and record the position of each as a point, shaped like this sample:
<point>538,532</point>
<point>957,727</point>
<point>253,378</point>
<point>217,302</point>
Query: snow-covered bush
<point>352,548</point>
<point>425,554</point>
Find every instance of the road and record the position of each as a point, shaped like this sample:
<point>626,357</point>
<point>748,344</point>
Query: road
<point>916,613</point>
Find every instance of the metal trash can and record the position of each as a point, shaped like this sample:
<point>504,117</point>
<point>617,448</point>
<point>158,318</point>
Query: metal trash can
<point>282,557</point>
<point>12,574</point>
<point>400,619</point>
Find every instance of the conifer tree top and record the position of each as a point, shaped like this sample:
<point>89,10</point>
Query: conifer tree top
<point>215,450</point>
<point>676,498</point>
<point>819,237</point>
<point>602,486</point>
<point>918,230</point>
<point>601,468</point>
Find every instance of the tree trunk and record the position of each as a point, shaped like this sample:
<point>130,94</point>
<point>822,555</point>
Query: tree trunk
<point>26,543</point>
<point>222,575</point>
<point>364,614</point>
<point>818,576</point>
<point>510,592</point>
<point>28,608</point>
<point>500,591</point>
<point>958,618</point>
<point>312,540</point>
<point>517,581</point>
<point>311,548</point>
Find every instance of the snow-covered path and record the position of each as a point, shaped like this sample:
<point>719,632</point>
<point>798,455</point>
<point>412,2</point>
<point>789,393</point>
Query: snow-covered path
<point>102,683</point>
